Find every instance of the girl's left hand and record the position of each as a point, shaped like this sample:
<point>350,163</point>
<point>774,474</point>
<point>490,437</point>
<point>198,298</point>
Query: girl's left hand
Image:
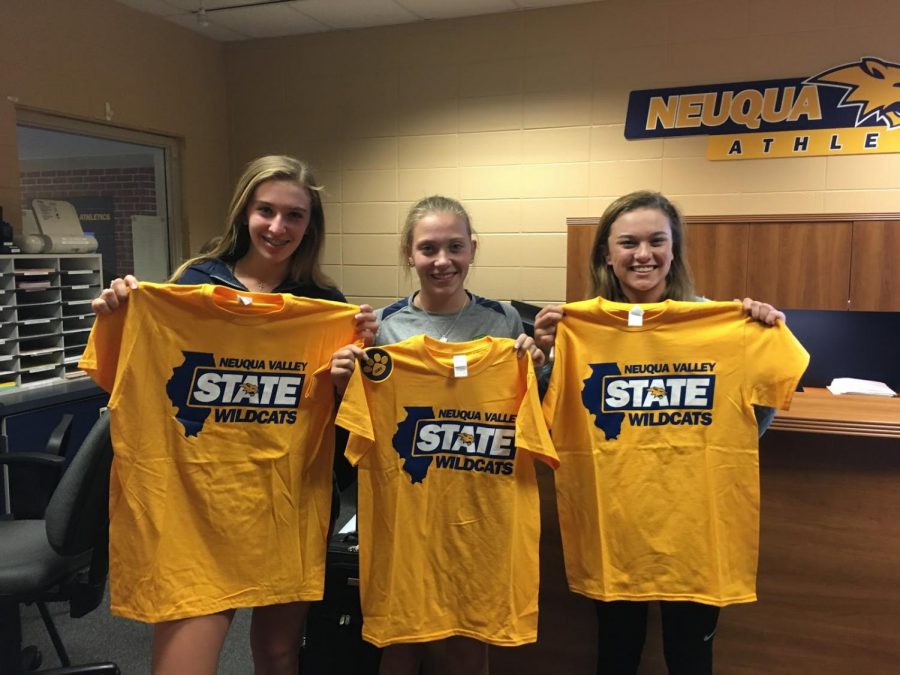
<point>365,325</point>
<point>762,312</point>
<point>525,345</point>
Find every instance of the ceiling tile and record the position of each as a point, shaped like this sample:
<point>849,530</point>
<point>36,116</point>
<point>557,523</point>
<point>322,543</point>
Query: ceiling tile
<point>442,9</point>
<point>297,17</point>
<point>356,14</point>
<point>194,5</point>
<point>213,30</point>
<point>158,7</point>
<point>266,21</point>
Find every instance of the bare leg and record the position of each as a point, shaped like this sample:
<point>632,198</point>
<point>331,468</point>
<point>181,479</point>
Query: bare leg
<point>190,645</point>
<point>276,632</point>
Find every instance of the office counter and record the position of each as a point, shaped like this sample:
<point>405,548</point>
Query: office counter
<point>29,414</point>
<point>829,568</point>
<point>817,410</point>
<point>22,399</point>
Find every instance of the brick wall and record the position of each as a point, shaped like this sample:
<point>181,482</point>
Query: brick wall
<point>133,193</point>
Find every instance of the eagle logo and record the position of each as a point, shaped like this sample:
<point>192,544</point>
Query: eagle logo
<point>871,84</point>
<point>657,392</point>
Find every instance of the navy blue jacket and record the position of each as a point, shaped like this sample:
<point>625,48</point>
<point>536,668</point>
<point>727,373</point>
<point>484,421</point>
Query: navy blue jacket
<point>217,272</point>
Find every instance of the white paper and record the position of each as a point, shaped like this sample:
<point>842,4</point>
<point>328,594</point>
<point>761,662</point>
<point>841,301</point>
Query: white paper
<point>149,240</point>
<point>349,527</point>
<point>851,385</point>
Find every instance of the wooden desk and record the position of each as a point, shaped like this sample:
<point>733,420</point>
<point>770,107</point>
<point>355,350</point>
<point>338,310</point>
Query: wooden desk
<point>818,411</point>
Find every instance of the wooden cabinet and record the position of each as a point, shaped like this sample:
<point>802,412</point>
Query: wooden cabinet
<point>875,265</point>
<point>717,254</point>
<point>45,316</point>
<point>579,241</point>
<point>832,261</point>
<point>800,265</point>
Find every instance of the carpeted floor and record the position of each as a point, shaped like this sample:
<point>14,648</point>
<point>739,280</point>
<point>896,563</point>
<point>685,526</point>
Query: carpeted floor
<point>99,636</point>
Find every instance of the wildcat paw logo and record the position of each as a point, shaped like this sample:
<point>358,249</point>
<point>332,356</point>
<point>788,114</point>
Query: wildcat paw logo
<point>871,86</point>
<point>378,365</point>
<point>849,109</point>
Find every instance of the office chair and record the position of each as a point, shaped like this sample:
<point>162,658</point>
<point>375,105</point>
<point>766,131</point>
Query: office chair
<point>62,557</point>
<point>35,475</point>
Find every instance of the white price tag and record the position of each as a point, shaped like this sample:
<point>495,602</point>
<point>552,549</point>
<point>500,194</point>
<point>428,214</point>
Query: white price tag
<point>636,316</point>
<point>460,365</point>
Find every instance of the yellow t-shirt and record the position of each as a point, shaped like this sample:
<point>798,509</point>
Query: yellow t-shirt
<point>449,519</point>
<point>221,481</point>
<point>658,491</point>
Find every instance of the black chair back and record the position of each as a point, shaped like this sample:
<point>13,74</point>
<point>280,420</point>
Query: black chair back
<point>78,512</point>
<point>77,517</point>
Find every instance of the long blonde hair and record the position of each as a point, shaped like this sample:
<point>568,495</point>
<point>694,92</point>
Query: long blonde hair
<point>679,283</point>
<point>235,242</point>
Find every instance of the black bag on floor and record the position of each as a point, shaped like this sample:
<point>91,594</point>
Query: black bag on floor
<point>333,643</point>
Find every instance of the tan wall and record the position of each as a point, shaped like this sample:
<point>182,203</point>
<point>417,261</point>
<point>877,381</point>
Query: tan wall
<point>70,58</point>
<point>521,116</point>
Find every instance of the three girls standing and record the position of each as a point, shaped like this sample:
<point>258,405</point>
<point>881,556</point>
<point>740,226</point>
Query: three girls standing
<point>273,243</point>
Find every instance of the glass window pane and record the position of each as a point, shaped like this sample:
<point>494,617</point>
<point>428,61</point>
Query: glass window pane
<point>117,189</point>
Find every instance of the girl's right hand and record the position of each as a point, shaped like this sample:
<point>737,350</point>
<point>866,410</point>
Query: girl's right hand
<point>343,363</point>
<point>365,325</point>
<point>545,326</point>
<point>112,298</point>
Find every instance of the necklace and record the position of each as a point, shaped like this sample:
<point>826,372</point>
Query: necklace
<point>444,335</point>
<point>254,285</point>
